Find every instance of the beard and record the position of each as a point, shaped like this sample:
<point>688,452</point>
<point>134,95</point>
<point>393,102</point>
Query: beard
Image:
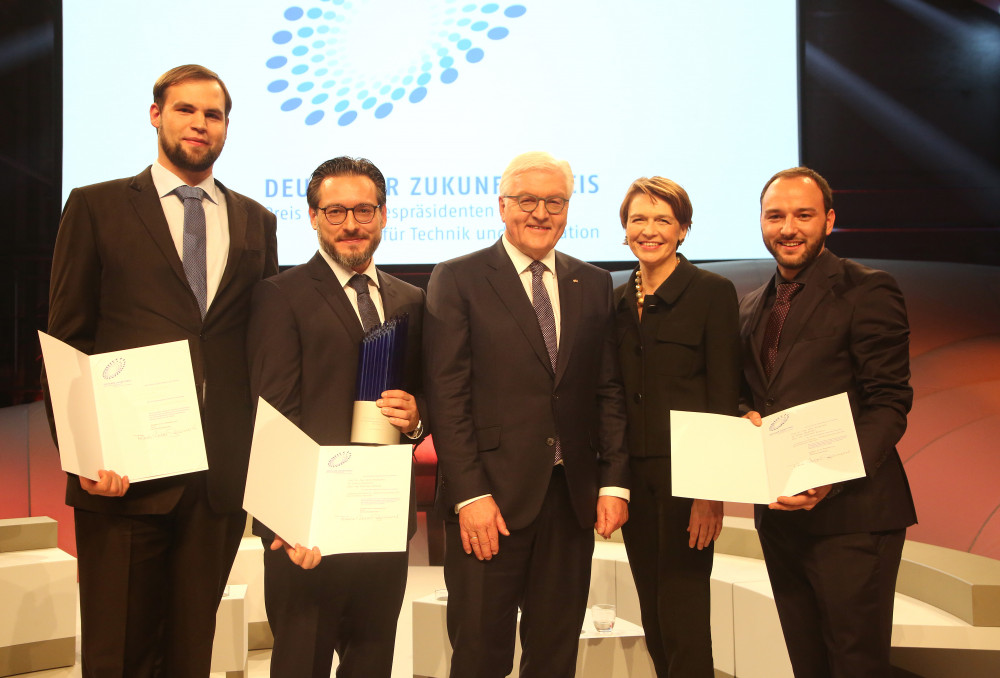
<point>353,259</point>
<point>185,159</point>
<point>810,250</point>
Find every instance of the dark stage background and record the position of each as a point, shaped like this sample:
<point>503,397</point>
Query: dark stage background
<point>899,109</point>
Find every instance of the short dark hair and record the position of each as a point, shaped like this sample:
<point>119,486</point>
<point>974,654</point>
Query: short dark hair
<point>179,74</point>
<point>805,172</point>
<point>345,166</point>
<point>659,189</point>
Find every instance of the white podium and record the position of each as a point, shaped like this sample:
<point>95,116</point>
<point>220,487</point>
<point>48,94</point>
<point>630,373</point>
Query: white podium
<point>37,598</point>
<point>229,649</point>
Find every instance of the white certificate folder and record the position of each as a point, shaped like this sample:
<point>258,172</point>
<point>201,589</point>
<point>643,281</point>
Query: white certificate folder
<point>133,411</point>
<point>339,498</point>
<point>729,459</point>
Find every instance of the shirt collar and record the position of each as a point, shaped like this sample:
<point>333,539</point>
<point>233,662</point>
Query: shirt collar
<point>522,261</point>
<point>345,274</point>
<point>166,182</point>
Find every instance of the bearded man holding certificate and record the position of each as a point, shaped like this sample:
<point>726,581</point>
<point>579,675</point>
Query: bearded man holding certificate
<point>306,328</point>
<point>167,255</point>
<point>821,326</point>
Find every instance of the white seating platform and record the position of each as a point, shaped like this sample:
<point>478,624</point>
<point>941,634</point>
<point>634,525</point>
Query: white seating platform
<point>229,649</point>
<point>746,635</point>
<point>248,570</point>
<point>37,598</point>
<point>620,653</point>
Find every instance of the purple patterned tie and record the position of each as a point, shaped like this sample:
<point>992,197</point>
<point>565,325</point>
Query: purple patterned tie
<point>547,322</point>
<point>543,310</point>
<point>772,333</point>
<point>194,256</point>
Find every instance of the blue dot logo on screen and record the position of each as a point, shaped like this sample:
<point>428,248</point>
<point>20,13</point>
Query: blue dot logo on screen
<point>340,61</point>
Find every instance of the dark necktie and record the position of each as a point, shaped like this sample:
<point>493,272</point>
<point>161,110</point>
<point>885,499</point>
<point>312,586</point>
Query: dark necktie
<point>543,310</point>
<point>547,321</point>
<point>194,256</point>
<point>772,333</point>
<point>366,307</point>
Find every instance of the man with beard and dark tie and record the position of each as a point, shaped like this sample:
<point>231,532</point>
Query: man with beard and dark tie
<point>305,332</point>
<point>170,254</point>
<point>821,326</point>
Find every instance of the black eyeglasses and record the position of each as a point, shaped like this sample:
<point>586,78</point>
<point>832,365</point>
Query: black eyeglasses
<point>337,214</point>
<point>528,203</point>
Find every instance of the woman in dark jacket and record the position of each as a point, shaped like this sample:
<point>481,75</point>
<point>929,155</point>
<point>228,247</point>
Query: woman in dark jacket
<point>679,350</point>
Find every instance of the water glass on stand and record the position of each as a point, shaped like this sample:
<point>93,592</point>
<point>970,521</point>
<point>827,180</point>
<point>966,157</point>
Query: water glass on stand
<point>603,616</point>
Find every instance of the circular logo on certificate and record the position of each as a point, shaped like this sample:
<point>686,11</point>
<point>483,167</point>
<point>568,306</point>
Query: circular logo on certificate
<point>339,459</point>
<point>778,423</point>
<point>114,368</point>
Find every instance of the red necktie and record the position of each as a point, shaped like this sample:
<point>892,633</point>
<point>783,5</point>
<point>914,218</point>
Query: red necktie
<point>772,334</point>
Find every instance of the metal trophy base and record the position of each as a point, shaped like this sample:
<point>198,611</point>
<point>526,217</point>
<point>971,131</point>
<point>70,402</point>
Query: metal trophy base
<point>370,426</point>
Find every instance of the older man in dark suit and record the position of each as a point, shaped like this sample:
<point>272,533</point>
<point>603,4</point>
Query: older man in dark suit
<point>822,326</point>
<point>167,255</point>
<point>305,333</point>
<point>529,422</point>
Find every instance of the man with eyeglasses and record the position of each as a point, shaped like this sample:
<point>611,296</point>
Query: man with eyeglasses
<point>306,326</point>
<point>529,426</point>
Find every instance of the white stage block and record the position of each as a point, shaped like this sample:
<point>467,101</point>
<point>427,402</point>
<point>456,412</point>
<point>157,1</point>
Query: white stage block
<point>626,593</point>
<point>229,649</point>
<point>726,571</point>
<point>618,654</point>
<point>37,610</point>
<point>248,569</point>
<point>760,647</point>
<point>602,572</point>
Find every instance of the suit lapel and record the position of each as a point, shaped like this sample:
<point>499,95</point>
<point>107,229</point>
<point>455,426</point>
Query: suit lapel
<point>569,312</point>
<point>236,214</point>
<point>333,294</point>
<point>507,285</point>
<point>390,295</point>
<point>147,206</point>
<point>750,340</point>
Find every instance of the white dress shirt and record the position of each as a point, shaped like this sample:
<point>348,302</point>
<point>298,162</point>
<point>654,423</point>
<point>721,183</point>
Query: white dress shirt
<point>216,223</point>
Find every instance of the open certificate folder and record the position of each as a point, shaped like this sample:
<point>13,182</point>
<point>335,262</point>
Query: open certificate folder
<point>133,411</point>
<point>340,498</point>
<point>729,459</point>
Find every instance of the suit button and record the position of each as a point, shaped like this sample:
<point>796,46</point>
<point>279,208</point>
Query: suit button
<point>638,350</point>
<point>550,441</point>
<point>769,402</point>
<point>555,396</point>
<point>637,398</point>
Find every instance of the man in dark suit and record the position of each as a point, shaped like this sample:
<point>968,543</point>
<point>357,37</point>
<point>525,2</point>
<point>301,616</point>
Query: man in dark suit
<point>529,422</point>
<point>822,326</point>
<point>305,331</point>
<point>154,557</point>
